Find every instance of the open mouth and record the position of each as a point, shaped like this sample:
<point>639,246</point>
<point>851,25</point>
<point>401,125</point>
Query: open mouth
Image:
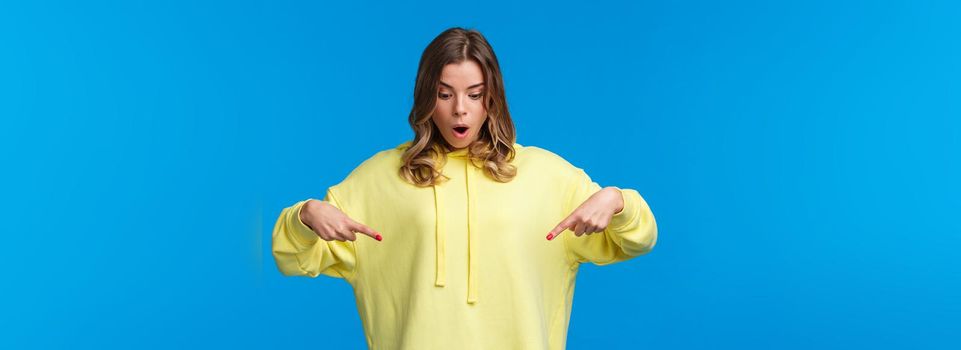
<point>460,131</point>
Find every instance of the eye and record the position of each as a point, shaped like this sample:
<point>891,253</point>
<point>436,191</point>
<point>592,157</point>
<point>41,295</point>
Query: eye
<point>443,96</point>
<point>476,96</point>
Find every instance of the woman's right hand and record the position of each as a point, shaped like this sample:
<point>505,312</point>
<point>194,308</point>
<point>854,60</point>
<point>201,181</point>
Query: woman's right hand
<point>331,224</point>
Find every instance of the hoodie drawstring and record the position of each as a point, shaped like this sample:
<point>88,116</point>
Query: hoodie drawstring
<point>441,242</point>
<point>471,277</point>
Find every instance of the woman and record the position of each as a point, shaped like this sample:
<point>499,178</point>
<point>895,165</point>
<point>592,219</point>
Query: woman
<point>456,256</point>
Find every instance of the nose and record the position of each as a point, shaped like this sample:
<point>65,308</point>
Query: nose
<point>459,107</point>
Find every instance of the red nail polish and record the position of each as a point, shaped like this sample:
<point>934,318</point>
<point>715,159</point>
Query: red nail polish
<point>379,237</point>
<point>549,236</point>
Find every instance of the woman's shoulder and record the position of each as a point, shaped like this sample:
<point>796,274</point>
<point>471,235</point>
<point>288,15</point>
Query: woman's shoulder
<point>541,157</point>
<point>369,174</point>
<point>383,158</point>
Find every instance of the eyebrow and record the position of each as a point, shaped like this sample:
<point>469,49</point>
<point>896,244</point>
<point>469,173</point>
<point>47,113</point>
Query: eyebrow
<point>469,87</point>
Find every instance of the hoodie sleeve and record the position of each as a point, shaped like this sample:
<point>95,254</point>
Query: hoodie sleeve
<point>630,233</point>
<point>299,251</point>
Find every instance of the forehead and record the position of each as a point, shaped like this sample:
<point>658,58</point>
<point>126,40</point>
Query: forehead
<point>462,75</point>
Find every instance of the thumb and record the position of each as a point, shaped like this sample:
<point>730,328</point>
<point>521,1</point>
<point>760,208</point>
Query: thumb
<point>358,227</point>
<point>565,224</point>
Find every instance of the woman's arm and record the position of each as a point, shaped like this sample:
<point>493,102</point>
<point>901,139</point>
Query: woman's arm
<point>299,251</point>
<point>625,228</point>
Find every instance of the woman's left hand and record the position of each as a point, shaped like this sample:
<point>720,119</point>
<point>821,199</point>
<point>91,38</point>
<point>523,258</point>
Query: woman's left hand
<point>593,215</point>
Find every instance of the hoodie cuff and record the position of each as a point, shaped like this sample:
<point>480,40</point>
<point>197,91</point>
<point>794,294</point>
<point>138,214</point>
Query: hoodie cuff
<point>301,232</point>
<point>628,214</point>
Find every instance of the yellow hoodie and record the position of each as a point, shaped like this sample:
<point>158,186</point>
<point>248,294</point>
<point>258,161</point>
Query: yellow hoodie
<point>464,264</point>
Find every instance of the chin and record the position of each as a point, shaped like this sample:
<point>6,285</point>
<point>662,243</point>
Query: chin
<point>457,143</point>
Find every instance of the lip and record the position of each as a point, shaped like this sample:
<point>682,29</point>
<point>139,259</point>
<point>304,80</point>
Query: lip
<point>460,135</point>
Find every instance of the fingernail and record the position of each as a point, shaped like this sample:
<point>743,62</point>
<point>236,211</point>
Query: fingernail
<point>549,236</point>
<point>379,237</point>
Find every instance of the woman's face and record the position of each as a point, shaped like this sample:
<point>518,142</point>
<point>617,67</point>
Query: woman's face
<point>460,112</point>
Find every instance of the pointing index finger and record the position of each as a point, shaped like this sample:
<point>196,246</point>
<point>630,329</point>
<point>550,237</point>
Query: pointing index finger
<point>566,223</point>
<point>358,227</point>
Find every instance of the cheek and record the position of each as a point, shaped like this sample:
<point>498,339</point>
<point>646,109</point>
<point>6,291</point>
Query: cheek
<point>441,108</point>
<point>478,107</point>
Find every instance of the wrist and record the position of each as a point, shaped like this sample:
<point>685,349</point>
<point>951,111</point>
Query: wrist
<point>305,212</point>
<point>618,205</point>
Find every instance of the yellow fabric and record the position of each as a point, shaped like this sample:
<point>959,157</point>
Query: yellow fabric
<point>464,264</point>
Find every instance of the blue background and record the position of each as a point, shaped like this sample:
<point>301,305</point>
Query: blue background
<point>802,160</point>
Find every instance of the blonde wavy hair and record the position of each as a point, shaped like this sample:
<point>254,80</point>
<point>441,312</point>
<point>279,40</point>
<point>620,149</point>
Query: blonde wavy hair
<point>494,148</point>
